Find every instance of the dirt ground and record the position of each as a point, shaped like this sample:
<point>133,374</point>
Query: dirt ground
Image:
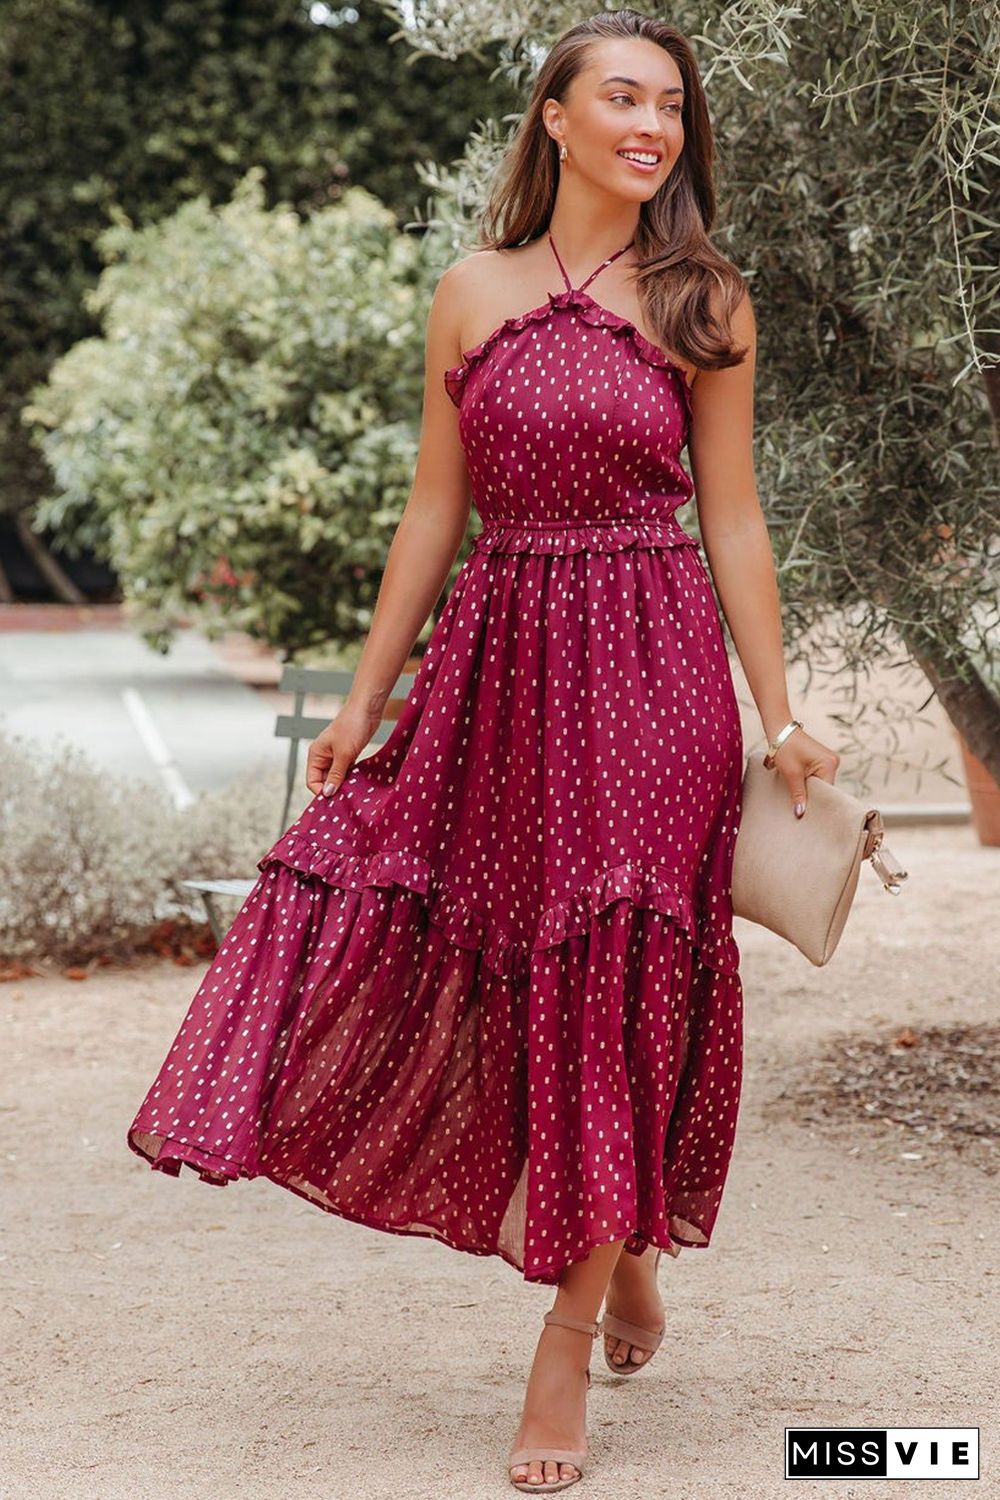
<point>169,1340</point>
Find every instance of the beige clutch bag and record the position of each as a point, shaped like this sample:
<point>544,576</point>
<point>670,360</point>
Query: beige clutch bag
<point>798,876</point>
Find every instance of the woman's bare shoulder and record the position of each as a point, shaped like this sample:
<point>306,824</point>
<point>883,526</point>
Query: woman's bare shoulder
<point>478,291</point>
<point>462,290</point>
<point>470,273</point>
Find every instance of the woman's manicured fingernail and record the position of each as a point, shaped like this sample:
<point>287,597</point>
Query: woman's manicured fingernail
<point>800,808</point>
<point>328,789</point>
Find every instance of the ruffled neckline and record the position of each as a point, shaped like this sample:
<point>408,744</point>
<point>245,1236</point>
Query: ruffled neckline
<point>593,313</point>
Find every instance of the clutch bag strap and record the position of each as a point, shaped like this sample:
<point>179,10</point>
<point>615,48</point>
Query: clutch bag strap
<point>885,864</point>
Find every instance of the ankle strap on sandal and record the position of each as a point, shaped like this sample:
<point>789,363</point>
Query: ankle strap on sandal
<point>567,1322</point>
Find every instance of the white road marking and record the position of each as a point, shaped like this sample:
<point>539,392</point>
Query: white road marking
<point>156,748</point>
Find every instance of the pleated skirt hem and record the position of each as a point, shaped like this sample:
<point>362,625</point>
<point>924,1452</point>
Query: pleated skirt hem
<point>170,1156</point>
<point>351,1043</point>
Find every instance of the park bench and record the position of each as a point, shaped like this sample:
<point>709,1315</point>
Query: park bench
<point>294,727</point>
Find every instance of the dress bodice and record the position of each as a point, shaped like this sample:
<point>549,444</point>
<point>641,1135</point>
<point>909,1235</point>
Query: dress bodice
<point>571,418</point>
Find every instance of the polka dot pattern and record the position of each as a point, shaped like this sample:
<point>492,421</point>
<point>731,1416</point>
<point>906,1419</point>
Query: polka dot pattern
<point>489,992</point>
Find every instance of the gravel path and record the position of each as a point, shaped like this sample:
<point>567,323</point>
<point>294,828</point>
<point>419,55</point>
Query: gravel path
<point>167,1340</point>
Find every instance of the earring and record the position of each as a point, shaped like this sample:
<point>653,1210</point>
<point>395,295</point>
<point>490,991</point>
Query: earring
<point>563,153</point>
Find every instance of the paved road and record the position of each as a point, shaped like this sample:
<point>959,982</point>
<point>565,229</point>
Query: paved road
<point>182,720</point>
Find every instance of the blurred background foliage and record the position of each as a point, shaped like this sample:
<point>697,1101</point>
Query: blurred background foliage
<point>239,440</point>
<point>859,181</point>
<point>121,112</point>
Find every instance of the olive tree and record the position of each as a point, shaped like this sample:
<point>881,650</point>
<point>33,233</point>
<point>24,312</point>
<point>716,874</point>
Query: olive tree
<point>859,175</point>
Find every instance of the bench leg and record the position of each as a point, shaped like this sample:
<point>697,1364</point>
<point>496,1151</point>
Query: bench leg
<point>214,920</point>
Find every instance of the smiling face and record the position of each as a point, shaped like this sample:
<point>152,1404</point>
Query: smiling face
<point>622,118</point>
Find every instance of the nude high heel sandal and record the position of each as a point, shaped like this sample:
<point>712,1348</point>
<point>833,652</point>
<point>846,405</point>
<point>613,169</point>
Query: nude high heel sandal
<point>643,1338</point>
<point>557,1455</point>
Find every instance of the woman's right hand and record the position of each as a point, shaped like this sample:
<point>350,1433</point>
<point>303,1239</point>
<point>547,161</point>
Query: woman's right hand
<point>334,751</point>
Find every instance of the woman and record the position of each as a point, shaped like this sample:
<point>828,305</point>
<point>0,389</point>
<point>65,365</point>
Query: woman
<point>486,987</point>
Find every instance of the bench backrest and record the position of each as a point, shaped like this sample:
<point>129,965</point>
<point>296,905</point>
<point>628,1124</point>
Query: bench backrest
<point>298,726</point>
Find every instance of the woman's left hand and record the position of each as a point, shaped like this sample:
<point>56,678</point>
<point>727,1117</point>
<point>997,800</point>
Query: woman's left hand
<point>799,757</point>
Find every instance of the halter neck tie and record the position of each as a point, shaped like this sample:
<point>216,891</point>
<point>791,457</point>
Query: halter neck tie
<point>583,285</point>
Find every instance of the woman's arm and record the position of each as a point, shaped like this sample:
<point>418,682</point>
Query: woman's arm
<point>419,558</point>
<point>434,519</point>
<point>739,552</point>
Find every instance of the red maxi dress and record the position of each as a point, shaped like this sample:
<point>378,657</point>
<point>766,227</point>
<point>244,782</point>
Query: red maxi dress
<point>488,991</point>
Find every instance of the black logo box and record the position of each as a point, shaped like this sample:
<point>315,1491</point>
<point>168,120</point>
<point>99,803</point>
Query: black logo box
<point>863,1452</point>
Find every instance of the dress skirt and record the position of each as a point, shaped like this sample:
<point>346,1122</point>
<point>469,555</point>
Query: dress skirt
<point>488,991</point>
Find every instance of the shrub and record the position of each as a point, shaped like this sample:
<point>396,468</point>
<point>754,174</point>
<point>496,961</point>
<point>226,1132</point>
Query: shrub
<point>88,866</point>
<point>240,442</point>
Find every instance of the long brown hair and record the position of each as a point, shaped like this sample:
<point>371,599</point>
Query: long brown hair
<point>677,263</point>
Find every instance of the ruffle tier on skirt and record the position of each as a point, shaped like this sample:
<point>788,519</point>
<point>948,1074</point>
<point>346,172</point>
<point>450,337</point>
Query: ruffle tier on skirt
<point>488,992</point>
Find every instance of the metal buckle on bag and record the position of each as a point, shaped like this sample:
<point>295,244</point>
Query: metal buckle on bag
<point>888,869</point>
<point>883,861</point>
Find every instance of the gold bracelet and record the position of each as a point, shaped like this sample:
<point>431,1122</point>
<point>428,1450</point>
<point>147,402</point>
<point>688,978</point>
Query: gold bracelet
<point>779,740</point>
